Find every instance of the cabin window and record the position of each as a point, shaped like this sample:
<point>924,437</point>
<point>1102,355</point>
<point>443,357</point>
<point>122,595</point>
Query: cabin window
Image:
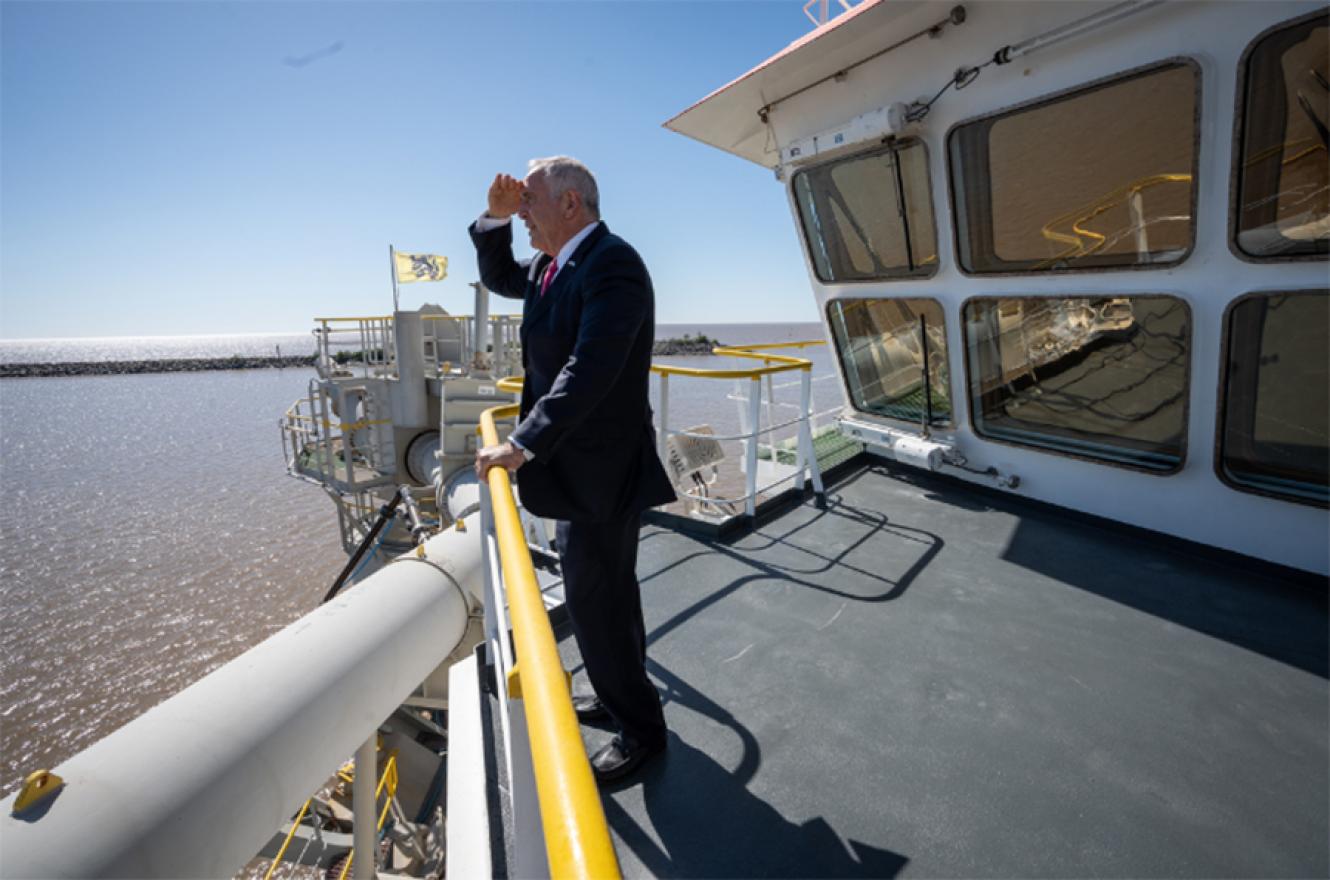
<point>1103,378</point>
<point>1274,434</point>
<point>1101,178</point>
<point>869,217</point>
<point>883,346</point>
<point>1283,173</point>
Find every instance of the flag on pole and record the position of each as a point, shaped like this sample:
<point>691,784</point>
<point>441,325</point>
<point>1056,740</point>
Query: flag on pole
<point>420,267</point>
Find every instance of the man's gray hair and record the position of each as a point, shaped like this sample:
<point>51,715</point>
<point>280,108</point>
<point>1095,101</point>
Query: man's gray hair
<point>566,173</point>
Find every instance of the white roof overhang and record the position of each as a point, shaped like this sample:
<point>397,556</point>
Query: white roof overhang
<point>728,118</point>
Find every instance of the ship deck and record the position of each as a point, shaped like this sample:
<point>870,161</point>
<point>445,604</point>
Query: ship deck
<point>928,680</point>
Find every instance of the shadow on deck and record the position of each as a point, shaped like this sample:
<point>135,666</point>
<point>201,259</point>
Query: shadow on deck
<point>927,680</point>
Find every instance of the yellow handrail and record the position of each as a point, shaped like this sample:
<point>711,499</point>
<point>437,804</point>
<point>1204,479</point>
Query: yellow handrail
<point>783,364</point>
<point>577,839</point>
<point>281,853</point>
<point>768,346</point>
<point>1077,241</point>
<point>346,320</point>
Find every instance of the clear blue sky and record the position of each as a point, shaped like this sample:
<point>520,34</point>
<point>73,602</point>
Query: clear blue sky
<point>167,170</point>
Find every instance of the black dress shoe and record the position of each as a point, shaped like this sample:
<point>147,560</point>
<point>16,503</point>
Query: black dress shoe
<point>590,708</point>
<point>621,756</point>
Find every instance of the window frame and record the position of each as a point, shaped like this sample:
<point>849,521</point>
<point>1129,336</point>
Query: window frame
<point>892,145</point>
<point>1221,398</point>
<point>1236,150</point>
<point>952,421</point>
<point>1187,375</point>
<point>1052,98</point>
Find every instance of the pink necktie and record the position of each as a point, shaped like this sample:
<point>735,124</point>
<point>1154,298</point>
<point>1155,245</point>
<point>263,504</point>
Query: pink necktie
<point>549,276</point>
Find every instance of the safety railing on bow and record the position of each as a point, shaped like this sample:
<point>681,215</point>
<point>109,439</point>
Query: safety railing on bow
<point>559,826</point>
<point>452,344</point>
<point>751,429</point>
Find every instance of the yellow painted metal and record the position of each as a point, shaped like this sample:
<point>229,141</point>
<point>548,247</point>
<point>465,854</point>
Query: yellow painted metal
<point>349,320</point>
<point>577,839</point>
<point>772,363</point>
<point>356,426</point>
<point>514,685</point>
<point>1083,242</point>
<point>770,346</point>
<point>281,853</point>
<point>39,785</point>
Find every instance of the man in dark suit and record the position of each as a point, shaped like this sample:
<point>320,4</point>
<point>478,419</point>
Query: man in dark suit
<point>584,443</point>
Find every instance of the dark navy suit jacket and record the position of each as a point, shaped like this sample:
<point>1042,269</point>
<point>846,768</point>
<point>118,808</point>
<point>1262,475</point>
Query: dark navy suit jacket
<point>586,350</point>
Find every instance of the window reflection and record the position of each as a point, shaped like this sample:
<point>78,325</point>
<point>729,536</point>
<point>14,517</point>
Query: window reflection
<point>1284,168</point>
<point>1275,429</point>
<point>869,216</point>
<point>1103,378</point>
<point>882,345</point>
<point>1099,178</point>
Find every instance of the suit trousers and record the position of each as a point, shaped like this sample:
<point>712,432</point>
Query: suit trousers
<point>604,602</point>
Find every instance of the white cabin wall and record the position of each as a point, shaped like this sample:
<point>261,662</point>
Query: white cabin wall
<point>1192,503</point>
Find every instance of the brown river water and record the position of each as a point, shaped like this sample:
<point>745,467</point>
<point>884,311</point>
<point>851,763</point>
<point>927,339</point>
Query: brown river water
<point>149,532</point>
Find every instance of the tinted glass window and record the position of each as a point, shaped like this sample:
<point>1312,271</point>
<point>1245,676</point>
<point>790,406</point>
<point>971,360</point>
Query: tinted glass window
<point>1099,178</point>
<point>869,216</point>
<point>1283,169</point>
<point>882,345</point>
<point>1103,378</point>
<point>1275,429</point>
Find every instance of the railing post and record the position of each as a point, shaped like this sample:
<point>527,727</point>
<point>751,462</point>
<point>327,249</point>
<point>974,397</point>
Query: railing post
<point>365,832</point>
<point>529,857</point>
<point>750,452</point>
<point>806,420</point>
<point>806,439</point>
<point>662,437</point>
<point>1137,204</point>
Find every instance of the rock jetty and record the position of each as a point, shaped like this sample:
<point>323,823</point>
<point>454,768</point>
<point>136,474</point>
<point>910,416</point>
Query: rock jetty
<point>688,345</point>
<point>176,365</point>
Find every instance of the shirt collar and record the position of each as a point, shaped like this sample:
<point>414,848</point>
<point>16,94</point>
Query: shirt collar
<point>571,245</point>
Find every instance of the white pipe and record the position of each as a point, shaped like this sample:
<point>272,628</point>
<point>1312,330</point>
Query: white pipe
<point>194,787</point>
<point>365,836</point>
<point>1080,26</point>
<point>481,317</point>
<point>410,396</point>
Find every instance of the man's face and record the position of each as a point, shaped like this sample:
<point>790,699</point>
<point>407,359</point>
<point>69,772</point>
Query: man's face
<point>541,213</point>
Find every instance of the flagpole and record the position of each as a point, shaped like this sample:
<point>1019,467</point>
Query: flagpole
<point>392,267</point>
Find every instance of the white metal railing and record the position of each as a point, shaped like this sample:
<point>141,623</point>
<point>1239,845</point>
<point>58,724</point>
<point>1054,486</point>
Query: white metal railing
<point>750,420</point>
<point>452,345</point>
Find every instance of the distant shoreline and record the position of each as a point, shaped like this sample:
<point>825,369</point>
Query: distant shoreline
<point>166,365</point>
<point>666,347</point>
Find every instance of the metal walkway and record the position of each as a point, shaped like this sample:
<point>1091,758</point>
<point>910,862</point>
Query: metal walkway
<point>923,680</point>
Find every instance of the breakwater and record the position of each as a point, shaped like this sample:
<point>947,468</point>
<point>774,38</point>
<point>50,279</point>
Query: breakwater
<point>664,347</point>
<point>169,365</point>
<point>688,345</point>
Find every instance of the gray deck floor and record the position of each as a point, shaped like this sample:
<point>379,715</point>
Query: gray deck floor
<point>923,681</point>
